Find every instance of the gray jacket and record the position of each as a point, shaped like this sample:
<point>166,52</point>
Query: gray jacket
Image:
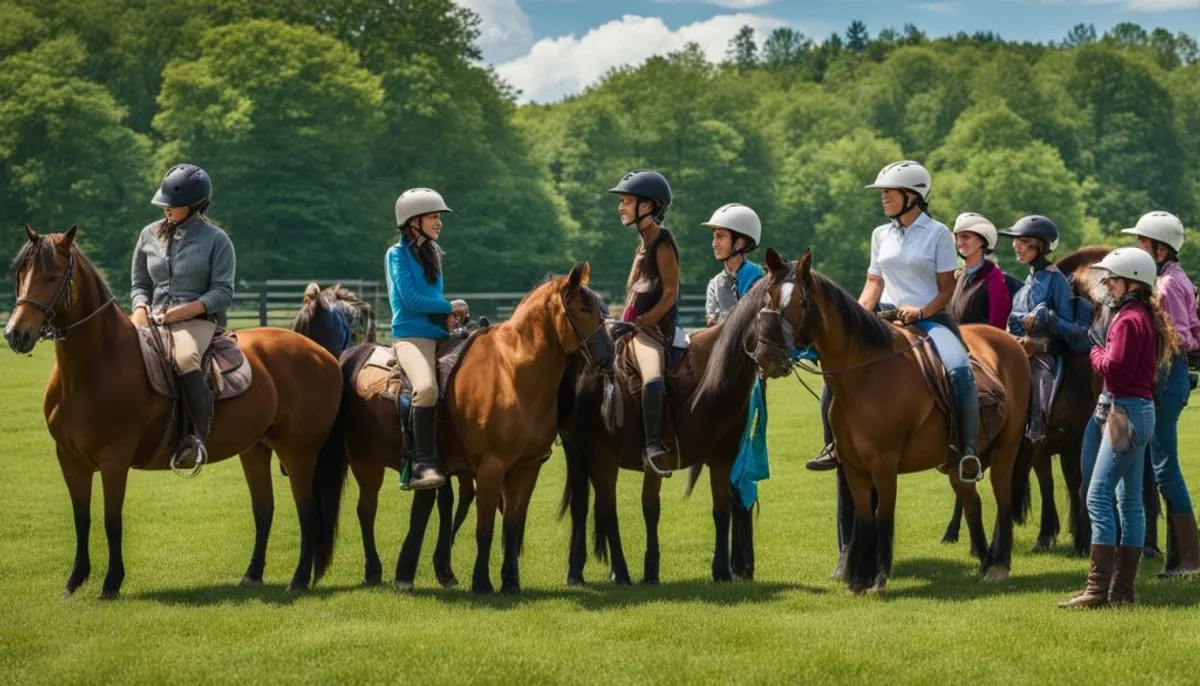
<point>200,267</point>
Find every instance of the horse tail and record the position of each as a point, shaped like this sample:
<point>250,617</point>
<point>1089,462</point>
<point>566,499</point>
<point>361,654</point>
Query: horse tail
<point>329,477</point>
<point>466,492</point>
<point>693,477</point>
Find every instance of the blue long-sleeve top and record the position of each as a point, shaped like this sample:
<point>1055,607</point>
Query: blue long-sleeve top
<point>1047,296</point>
<point>418,306</point>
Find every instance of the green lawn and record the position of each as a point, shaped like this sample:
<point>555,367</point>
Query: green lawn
<point>182,619</point>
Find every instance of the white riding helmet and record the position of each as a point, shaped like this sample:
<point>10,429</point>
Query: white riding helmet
<point>1163,227</point>
<point>737,218</point>
<point>417,201</point>
<point>1134,264</point>
<point>971,222</point>
<point>905,175</point>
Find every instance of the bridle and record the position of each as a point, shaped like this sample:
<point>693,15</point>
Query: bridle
<point>584,341</point>
<point>49,332</point>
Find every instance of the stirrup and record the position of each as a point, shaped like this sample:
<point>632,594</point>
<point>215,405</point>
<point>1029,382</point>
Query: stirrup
<point>978,470</point>
<point>648,462</point>
<point>201,456</point>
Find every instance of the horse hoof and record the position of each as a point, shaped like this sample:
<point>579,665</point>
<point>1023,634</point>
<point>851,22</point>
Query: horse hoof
<point>949,539</point>
<point>403,586</point>
<point>512,588</point>
<point>249,582</point>
<point>1150,553</point>
<point>722,577</point>
<point>297,587</point>
<point>449,581</point>
<point>650,581</point>
<point>484,587</point>
<point>996,574</point>
<point>622,580</point>
<point>575,580</point>
<point>1043,545</point>
<point>110,594</point>
<point>68,593</point>
<point>744,576</point>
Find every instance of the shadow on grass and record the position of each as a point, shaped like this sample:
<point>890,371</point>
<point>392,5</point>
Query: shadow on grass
<point>234,594</point>
<point>961,580</point>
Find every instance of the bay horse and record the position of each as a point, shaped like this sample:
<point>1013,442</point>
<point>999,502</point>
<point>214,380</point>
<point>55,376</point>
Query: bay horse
<point>337,319</point>
<point>104,416</point>
<point>873,369</point>
<point>715,382</point>
<point>499,418</point>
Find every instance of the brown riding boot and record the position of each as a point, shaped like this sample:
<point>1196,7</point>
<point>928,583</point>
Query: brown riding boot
<point>1121,591</point>
<point>1095,594</point>
<point>1187,546</point>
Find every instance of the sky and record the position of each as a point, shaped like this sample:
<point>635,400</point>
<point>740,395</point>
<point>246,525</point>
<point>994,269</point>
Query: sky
<point>549,49</point>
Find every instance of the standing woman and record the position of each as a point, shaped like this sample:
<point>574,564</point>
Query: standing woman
<point>182,278</point>
<point>421,317</point>
<point>981,294</point>
<point>1139,342</point>
<point>1161,235</point>
<point>652,300</point>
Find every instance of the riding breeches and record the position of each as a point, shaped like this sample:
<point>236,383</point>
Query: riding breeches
<point>189,340</point>
<point>418,358</point>
<point>649,356</point>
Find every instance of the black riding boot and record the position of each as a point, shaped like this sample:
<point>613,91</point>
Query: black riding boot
<point>198,403</point>
<point>426,472</point>
<point>967,400</point>
<point>653,395</point>
<point>1042,367</point>
<point>827,458</point>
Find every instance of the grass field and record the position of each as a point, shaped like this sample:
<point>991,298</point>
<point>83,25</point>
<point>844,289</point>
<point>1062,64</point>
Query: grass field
<point>182,619</point>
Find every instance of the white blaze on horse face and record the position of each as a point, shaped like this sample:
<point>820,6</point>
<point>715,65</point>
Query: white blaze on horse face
<point>785,295</point>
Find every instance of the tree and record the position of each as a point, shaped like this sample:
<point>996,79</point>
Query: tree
<point>857,37</point>
<point>285,120</point>
<point>1081,34</point>
<point>743,51</point>
<point>1127,35</point>
<point>914,35</point>
<point>784,47</point>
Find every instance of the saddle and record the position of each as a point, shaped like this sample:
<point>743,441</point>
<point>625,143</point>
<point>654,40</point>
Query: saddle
<point>679,375</point>
<point>228,375</point>
<point>991,395</point>
<point>398,388</point>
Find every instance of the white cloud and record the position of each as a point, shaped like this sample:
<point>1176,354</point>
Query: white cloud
<point>504,31</point>
<point>1159,5</point>
<point>944,8</point>
<point>727,4</point>
<point>556,67</point>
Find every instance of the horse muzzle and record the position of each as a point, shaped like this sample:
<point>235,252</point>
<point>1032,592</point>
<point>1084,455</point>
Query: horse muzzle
<point>20,341</point>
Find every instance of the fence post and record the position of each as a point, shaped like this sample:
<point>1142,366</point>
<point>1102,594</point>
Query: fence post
<point>262,307</point>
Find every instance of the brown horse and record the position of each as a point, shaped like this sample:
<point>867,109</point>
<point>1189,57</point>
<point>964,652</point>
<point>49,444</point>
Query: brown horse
<point>873,369</point>
<point>715,381</point>
<point>104,416</point>
<point>499,418</point>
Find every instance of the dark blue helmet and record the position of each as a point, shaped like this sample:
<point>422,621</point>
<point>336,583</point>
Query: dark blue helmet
<point>646,183</point>
<point>184,185</point>
<point>1034,226</point>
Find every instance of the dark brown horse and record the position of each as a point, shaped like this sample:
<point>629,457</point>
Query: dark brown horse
<point>874,372</point>
<point>104,416</point>
<point>714,385</point>
<point>1068,417</point>
<point>499,418</point>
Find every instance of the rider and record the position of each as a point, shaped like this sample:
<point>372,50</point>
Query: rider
<point>981,295</point>
<point>652,300</point>
<point>736,230</point>
<point>1139,343</point>
<point>1161,235</point>
<point>421,317</point>
<point>912,269</point>
<point>1041,313</point>
<point>182,278</point>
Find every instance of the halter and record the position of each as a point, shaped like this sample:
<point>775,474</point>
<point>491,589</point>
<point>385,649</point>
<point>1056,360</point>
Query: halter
<point>48,332</point>
<point>584,341</point>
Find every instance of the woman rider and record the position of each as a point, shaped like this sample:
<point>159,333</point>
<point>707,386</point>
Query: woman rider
<point>421,317</point>
<point>981,294</point>
<point>182,277</point>
<point>652,296</point>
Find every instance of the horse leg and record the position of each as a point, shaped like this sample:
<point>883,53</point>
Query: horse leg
<point>1150,503</point>
<point>256,466</point>
<point>113,478</point>
<point>442,567</point>
<point>861,555</point>
<point>1050,525</point>
<point>1078,523</point>
<point>300,478</point>
<point>78,478</point>
<point>719,481</point>
<point>608,528</point>
<point>885,523</point>
<point>951,535</point>
<point>488,484</point>
<point>742,561</point>
<point>369,475</point>
<point>651,510</point>
<point>518,488</point>
<point>410,550</point>
<point>577,493</point>
<point>998,559</point>
<point>973,511</point>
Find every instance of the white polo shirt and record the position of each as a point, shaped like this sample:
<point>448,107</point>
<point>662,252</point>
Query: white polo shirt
<point>909,260</point>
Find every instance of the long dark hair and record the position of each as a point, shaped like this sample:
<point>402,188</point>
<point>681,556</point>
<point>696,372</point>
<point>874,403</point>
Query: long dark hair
<point>427,252</point>
<point>164,229</point>
<point>1166,340</point>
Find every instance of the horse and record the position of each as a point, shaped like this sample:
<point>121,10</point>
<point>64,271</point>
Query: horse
<point>337,319</point>
<point>1066,421</point>
<point>874,371</point>
<point>104,415</point>
<point>499,418</point>
<point>715,379</point>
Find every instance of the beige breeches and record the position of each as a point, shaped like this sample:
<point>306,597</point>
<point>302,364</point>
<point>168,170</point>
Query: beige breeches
<point>190,339</point>
<point>418,358</point>
<point>649,358</point>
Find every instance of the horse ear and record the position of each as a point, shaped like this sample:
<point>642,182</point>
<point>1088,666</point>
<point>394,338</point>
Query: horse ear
<point>31,233</point>
<point>775,262</point>
<point>576,277</point>
<point>69,238</point>
<point>587,274</point>
<point>805,265</point>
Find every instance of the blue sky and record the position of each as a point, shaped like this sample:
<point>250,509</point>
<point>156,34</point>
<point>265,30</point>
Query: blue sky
<point>552,48</point>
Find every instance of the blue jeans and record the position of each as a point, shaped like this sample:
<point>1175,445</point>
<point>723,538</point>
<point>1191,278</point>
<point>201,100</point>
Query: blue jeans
<point>1107,471</point>
<point>1173,393</point>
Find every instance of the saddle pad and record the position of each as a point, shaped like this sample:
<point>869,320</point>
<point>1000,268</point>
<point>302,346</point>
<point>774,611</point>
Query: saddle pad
<point>990,391</point>
<point>450,352</point>
<point>229,371</point>
<point>680,368</point>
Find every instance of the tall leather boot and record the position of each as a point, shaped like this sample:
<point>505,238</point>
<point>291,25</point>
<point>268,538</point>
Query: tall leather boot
<point>1181,531</point>
<point>1095,594</point>
<point>1121,591</point>
<point>426,470</point>
<point>966,397</point>
<point>197,401</point>
<point>653,395</point>
<point>1040,401</point>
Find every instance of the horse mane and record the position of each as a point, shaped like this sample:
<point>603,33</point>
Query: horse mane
<point>860,325</point>
<point>317,300</point>
<point>717,380</point>
<point>1077,268</point>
